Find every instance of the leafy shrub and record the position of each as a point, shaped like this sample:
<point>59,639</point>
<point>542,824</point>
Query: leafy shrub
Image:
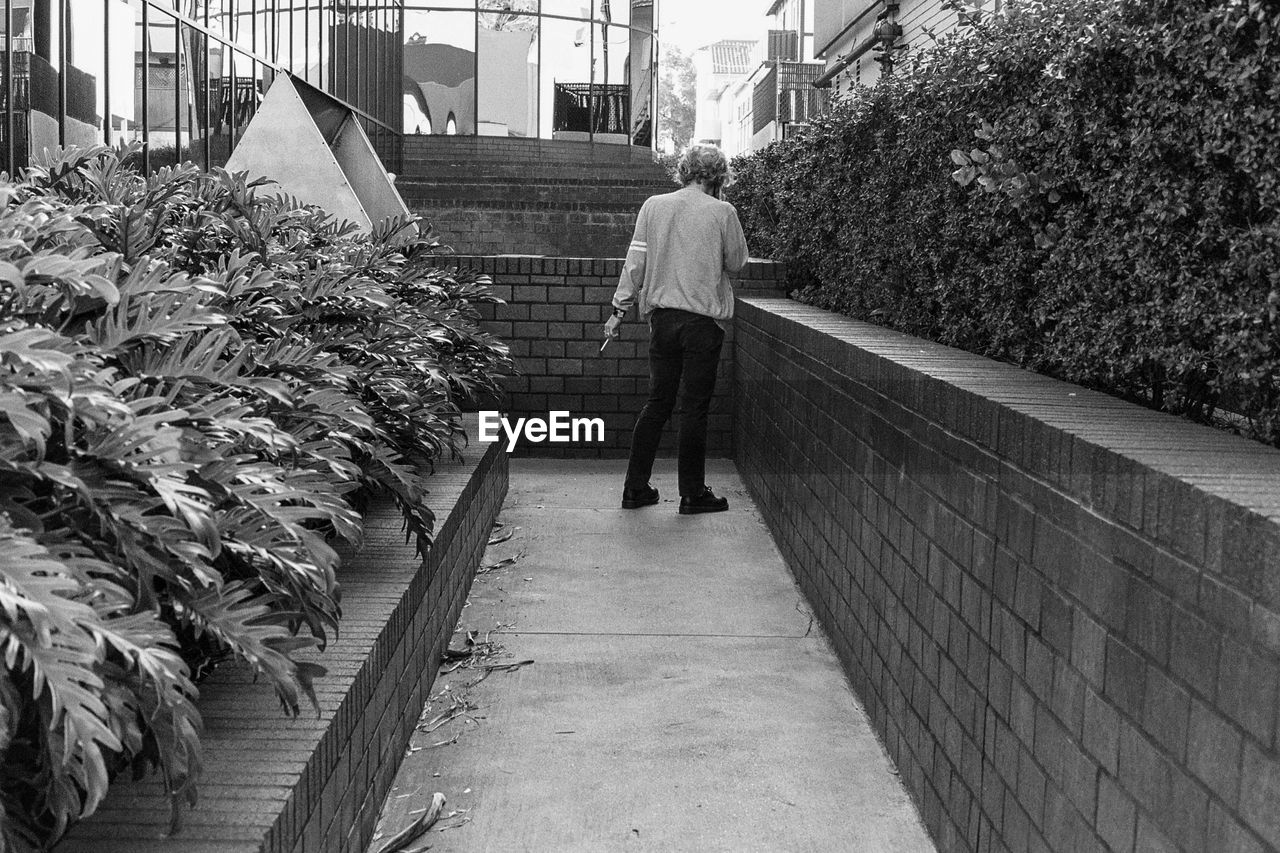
<point>198,384</point>
<point>1085,188</point>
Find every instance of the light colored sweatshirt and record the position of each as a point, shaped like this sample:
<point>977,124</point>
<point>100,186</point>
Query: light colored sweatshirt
<point>686,244</point>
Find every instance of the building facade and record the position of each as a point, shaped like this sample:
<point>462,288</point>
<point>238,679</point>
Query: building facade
<point>859,40</point>
<point>769,93</point>
<point>718,67</point>
<point>184,77</point>
<point>550,69</point>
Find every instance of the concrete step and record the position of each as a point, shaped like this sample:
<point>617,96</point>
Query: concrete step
<point>507,193</point>
<point>493,195</point>
<point>463,158</point>
<point>580,150</point>
<point>605,199</point>
<point>459,175</point>
<point>529,172</point>
<point>581,155</point>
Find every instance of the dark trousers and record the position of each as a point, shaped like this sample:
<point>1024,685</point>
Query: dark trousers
<point>683,346</point>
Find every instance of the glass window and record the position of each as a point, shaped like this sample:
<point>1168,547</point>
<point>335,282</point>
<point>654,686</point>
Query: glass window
<point>439,71</point>
<point>16,149</point>
<point>264,28</point>
<point>231,98</point>
<point>440,4</point>
<point>317,40</point>
<point>616,12</point>
<point>642,17</point>
<point>363,56</point>
<point>565,102</point>
<point>342,48</point>
<point>195,69</point>
<point>641,74</point>
<point>87,75</point>
<point>240,20</point>
<point>569,69</point>
<point>220,17</point>
<point>520,7</point>
<point>36,27</point>
<point>23,24</point>
<point>580,9</point>
<point>182,112</point>
<point>507,74</point>
<point>217,65</point>
<point>384,56</point>
<point>612,45</point>
<point>298,36</point>
<point>246,95</point>
<point>158,77</point>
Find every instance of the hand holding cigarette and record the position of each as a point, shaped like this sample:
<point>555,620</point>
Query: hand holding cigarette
<point>610,330</point>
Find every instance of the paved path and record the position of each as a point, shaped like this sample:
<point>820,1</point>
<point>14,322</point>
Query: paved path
<point>681,698</point>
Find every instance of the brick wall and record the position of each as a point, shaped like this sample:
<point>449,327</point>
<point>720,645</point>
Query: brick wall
<point>530,227</point>
<point>318,782</point>
<point>1061,611</point>
<point>490,195</point>
<point>553,320</point>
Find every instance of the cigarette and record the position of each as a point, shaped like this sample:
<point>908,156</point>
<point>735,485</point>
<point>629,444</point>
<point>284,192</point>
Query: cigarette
<point>605,344</point>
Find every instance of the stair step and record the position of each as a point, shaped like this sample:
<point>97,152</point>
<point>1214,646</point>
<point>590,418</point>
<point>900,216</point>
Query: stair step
<point>437,143</point>
<point>515,190</point>
<point>416,167</point>
<point>503,196</point>
<point>500,207</point>
<point>474,178</point>
<point>525,171</point>
<point>517,155</point>
<point>480,194</point>
<point>517,195</point>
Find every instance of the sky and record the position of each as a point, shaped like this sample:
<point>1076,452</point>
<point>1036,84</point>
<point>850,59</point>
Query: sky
<point>691,24</point>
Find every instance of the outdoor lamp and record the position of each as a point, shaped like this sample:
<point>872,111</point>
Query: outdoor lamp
<point>888,32</point>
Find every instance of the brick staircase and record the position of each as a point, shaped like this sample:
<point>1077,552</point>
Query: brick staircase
<point>496,195</point>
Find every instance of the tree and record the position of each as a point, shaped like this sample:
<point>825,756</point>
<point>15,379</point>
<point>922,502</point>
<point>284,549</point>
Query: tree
<point>677,98</point>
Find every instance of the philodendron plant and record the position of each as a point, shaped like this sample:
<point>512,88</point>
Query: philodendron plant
<point>200,380</point>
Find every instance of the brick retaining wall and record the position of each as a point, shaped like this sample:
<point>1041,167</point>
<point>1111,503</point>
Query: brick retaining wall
<point>553,320</point>
<point>503,195</point>
<point>533,228</point>
<point>1062,611</point>
<point>310,784</point>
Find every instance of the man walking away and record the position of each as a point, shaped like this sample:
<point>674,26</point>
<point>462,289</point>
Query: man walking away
<point>686,245</point>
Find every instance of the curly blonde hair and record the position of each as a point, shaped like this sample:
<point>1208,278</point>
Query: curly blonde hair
<point>702,162</point>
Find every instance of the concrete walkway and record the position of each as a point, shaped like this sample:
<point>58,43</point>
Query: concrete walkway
<point>681,697</point>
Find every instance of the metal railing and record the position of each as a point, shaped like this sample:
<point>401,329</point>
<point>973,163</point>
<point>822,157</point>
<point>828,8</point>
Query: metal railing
<point>592,108</point>
<point>21,88</point>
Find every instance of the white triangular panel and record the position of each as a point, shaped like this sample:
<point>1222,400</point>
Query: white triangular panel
<point>316,151</point>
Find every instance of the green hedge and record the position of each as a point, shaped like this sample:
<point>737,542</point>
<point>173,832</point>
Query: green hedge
<point>1089,189</point>
<point>199,384</point>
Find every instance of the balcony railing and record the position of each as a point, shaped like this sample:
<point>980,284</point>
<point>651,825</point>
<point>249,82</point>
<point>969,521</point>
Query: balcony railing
<point>784,46</point>
<point>36,86</point>
<point>20,143</point>
<point>592,107</point>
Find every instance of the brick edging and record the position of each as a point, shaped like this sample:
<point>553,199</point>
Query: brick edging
<point>277,784</point>
<point>756,270</point>
<point>1061,610</point>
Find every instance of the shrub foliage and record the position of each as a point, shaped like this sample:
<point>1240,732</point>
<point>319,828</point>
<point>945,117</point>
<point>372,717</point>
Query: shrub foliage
<point>198,383</point>
<point>1086,188</point>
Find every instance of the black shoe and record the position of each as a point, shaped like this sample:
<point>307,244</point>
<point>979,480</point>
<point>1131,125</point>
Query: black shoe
<point>636,498</point>
<point>704,501</point>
